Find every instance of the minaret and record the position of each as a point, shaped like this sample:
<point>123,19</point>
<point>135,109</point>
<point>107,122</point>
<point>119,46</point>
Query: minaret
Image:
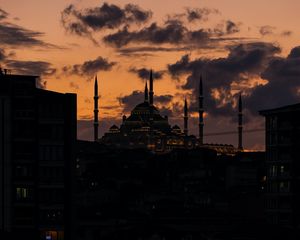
<point>201,111</point>
<point>96,111</point>
<point>151,142</point>
<point>185,118</point>
<point>146,93</point>
<point>151,93</point>
<point>240,126</point>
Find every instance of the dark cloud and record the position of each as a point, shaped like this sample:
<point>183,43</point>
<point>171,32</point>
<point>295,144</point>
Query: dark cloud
<point>36,68</point>
<point>194,14</point>
<point>128,102</point>
<point>227,28</point>
<point>17,36</point>
<point>14,35</point>
<point>172,32</point>
<point>2,55</point>
<point>243,62</point>
<point>3,14</point>
<point>175,30</point>
<point>144,73</point>
<point>107,16</point>
<point>89,68</point>
<point>144,50</point>
<point>231,27</point>
<point>283,76</point>
<point>295,53</point>
<point>163,99</point>
<point>286,33</point>
<point>266,30</point>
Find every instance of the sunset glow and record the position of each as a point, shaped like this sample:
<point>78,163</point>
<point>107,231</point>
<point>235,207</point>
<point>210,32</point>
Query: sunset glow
<point>238,46</point>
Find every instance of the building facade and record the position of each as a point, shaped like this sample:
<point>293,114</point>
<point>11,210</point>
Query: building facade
<point>282,163</point>
<point>38,136</point>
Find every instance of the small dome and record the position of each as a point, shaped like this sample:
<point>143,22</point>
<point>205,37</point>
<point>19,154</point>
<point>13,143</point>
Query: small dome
<point>175,127</point>
<point>114,127</point>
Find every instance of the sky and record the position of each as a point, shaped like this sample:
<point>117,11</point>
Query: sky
<point>247,47</point>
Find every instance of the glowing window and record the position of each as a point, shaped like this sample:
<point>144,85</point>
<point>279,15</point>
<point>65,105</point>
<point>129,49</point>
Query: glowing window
<point>22,193</point>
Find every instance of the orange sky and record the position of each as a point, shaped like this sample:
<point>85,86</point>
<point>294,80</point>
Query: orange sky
<point>45,16</point>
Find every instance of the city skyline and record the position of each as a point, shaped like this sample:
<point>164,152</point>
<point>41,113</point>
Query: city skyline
<point>248,47</point>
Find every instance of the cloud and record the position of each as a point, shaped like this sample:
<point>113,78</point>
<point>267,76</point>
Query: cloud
<point>17,36</point>
<point>14,35</point>
<point>144,73</point>
<point>286,33</point>
<point>163,99</point>
<point>128,102</point>
<point>266,30</point>
<point>144,51</point>
<point>231,27</point>
<point>2,55</point>
<point>107,16</point>
<point>243,63</point>
<point>74,85</point>
<point>196,14</point>
<point>172,32</point>
<point>89,68</point>
<point>36,68</point>
<point>282,88</point>
<point>225,28</point>
<point>295,53</point>
<point>175,32</point>
<point>3,14</point>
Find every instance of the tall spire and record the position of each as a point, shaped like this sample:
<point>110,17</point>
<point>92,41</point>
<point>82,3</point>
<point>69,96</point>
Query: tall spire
<point>151,93</point>
<point>151,111</point>
<point>240,126</point>
<point>201,111</point>
<point>185,118</point>
<point>96,111</point>
<point>146,92</point>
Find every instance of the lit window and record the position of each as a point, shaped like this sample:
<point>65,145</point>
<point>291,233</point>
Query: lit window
<point>22,193</point>
<point>53,235</point>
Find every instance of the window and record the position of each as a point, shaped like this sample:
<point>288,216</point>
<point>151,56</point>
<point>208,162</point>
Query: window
<point>273,171</point>
<point>284,218</point>
<point>52,235</point>
<point>51,174</point>
<point>273,187</point>
<point>52,195</point>
<point>51,152</point>
<point>23,171</point>
<point>284,186</point>
<point>23,193</point>
<point>273,123</point>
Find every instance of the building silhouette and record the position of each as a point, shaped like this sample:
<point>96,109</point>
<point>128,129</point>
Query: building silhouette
<point>282,165</point>
<point>146,128</point>
<point>38,136</point>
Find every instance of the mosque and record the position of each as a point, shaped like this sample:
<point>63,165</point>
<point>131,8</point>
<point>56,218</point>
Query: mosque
<point>146,128</point>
